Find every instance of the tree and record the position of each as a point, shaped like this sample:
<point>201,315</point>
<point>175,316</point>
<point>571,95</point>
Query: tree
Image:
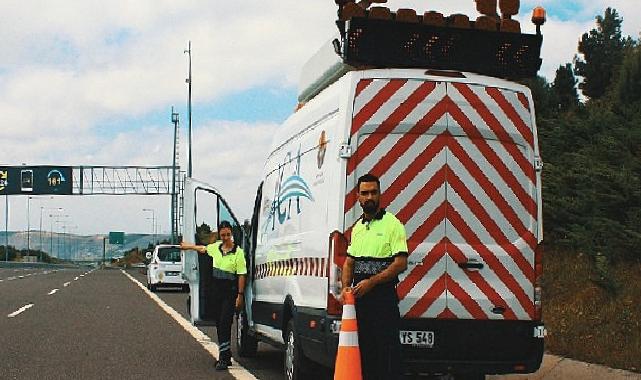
<point>203,234</point>
<point>603,49</point>
<point>564,87</point>
<point>628,88</point>
<point>543,96</point>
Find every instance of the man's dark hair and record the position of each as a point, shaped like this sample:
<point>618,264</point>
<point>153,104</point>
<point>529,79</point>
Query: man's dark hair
<point>368,178</point>
<point>224,224</point>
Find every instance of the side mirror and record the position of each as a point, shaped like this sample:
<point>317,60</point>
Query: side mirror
<point>148,255</point>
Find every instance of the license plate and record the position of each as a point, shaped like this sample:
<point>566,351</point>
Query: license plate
<point>423,339</point>
<point>172,273</point>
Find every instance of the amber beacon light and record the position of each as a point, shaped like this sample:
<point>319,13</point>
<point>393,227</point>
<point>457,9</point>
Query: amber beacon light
<point>538,18</point>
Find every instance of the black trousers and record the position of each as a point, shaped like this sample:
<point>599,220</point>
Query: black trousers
<point>378,324</point>
<point>223,297</point>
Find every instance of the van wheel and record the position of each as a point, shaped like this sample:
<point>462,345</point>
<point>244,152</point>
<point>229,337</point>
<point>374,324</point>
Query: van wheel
<point>295,363</point>
<point>189,306</point>
<point>246,345</point>
<point>152,287</point>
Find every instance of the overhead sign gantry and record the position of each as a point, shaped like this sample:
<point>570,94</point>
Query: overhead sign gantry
<point>36,180</point>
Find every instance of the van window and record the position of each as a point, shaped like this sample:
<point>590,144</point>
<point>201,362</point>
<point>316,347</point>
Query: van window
<point>224,214</point>
<point>169,254</point>
<point>206,217</point>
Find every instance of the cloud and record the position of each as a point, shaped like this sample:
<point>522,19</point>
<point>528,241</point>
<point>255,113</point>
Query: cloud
<point>71,70</point>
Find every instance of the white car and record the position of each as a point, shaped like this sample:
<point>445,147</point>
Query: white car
<point>165,268</point>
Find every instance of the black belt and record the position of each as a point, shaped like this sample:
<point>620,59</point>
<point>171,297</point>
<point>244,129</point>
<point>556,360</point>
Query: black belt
<point>220,274</point>
<point>369,267</point>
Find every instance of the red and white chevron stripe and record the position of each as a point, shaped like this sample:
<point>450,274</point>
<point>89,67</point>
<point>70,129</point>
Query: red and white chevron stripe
<point>456,163</point>
<point>299,266</point>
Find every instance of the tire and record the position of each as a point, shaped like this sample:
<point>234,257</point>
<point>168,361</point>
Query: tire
<point>153,287</point>
<point>246,345</point>
<point>189,306</point>
<point>295,364</point>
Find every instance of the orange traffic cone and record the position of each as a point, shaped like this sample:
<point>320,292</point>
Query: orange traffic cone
<point>348,357</point>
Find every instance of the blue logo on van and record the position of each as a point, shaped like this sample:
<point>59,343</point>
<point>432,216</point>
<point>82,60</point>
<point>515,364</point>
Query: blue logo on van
<point>288,190</point>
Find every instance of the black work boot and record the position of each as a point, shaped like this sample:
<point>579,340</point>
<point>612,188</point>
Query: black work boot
<point>223,363</point>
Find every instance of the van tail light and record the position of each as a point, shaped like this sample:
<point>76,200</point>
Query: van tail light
<point>337,256</point>
<point>538,272</point>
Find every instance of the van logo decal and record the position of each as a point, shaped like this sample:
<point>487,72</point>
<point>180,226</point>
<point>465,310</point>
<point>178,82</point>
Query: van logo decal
<point>322,148</point>
<point>292,188</point>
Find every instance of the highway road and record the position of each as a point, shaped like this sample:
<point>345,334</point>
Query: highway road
<point>103,324</point>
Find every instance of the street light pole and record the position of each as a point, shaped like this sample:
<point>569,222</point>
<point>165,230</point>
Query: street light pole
<point>57,222</point>
<point>6,228</point>
<point>174,195</point>
<point>188,51</point>
<point>41,210</point>
<point>28,225</point>
<point>59,209</point>
<point>153,221</point>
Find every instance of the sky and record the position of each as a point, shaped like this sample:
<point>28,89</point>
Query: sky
<point>86,82</point>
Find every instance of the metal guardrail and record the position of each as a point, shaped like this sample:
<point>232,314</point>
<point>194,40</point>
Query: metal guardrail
<point>16,264</point>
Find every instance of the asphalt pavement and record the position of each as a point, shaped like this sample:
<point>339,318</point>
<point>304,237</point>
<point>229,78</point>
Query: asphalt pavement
<point>101,325</point>
<point>104,324</point>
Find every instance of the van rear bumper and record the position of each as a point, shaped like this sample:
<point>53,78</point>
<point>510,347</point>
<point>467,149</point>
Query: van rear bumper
<point>461,346</point>
<point>472,346</point>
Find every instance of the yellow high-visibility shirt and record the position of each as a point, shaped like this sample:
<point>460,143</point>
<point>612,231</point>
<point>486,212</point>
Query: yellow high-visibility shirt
<point>383,237</point>
<point>232,262</point>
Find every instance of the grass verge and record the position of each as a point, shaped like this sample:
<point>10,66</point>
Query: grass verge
<point>584,320</point>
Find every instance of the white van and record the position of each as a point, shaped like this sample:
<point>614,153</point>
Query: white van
<point>458,159</point>
<point>165,268</point>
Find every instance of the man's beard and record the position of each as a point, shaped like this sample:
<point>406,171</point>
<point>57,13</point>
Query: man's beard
<point>369,207</point>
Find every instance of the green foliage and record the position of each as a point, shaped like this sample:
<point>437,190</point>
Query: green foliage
<point>16,254</point>
<point>564,87</point>
<point>203,234</point>
<point>592,154</point>
<point>544,98</point>
<point>592,181</point>
<point>602,49</point>
<point>628,87</point>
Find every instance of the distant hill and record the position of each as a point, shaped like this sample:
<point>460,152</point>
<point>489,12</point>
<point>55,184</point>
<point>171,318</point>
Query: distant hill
<point>76,247</point>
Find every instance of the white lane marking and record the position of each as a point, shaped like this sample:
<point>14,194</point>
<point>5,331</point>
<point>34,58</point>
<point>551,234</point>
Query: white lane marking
<point>82,275</point>
<point>11,278</point>
<point>237,371</point>
<point>52,292</point>
<point>25,307</point>
<point>66,284</point>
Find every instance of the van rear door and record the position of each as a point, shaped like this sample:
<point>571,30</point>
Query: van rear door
<point>492,203</point>
<point>456,163</point>
<point>398,134</point>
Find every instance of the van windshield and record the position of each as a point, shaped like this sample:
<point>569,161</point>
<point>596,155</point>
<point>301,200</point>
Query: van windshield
<point>169,254</point>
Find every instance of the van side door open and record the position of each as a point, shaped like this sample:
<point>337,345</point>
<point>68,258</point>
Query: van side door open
<point>205,208</point>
